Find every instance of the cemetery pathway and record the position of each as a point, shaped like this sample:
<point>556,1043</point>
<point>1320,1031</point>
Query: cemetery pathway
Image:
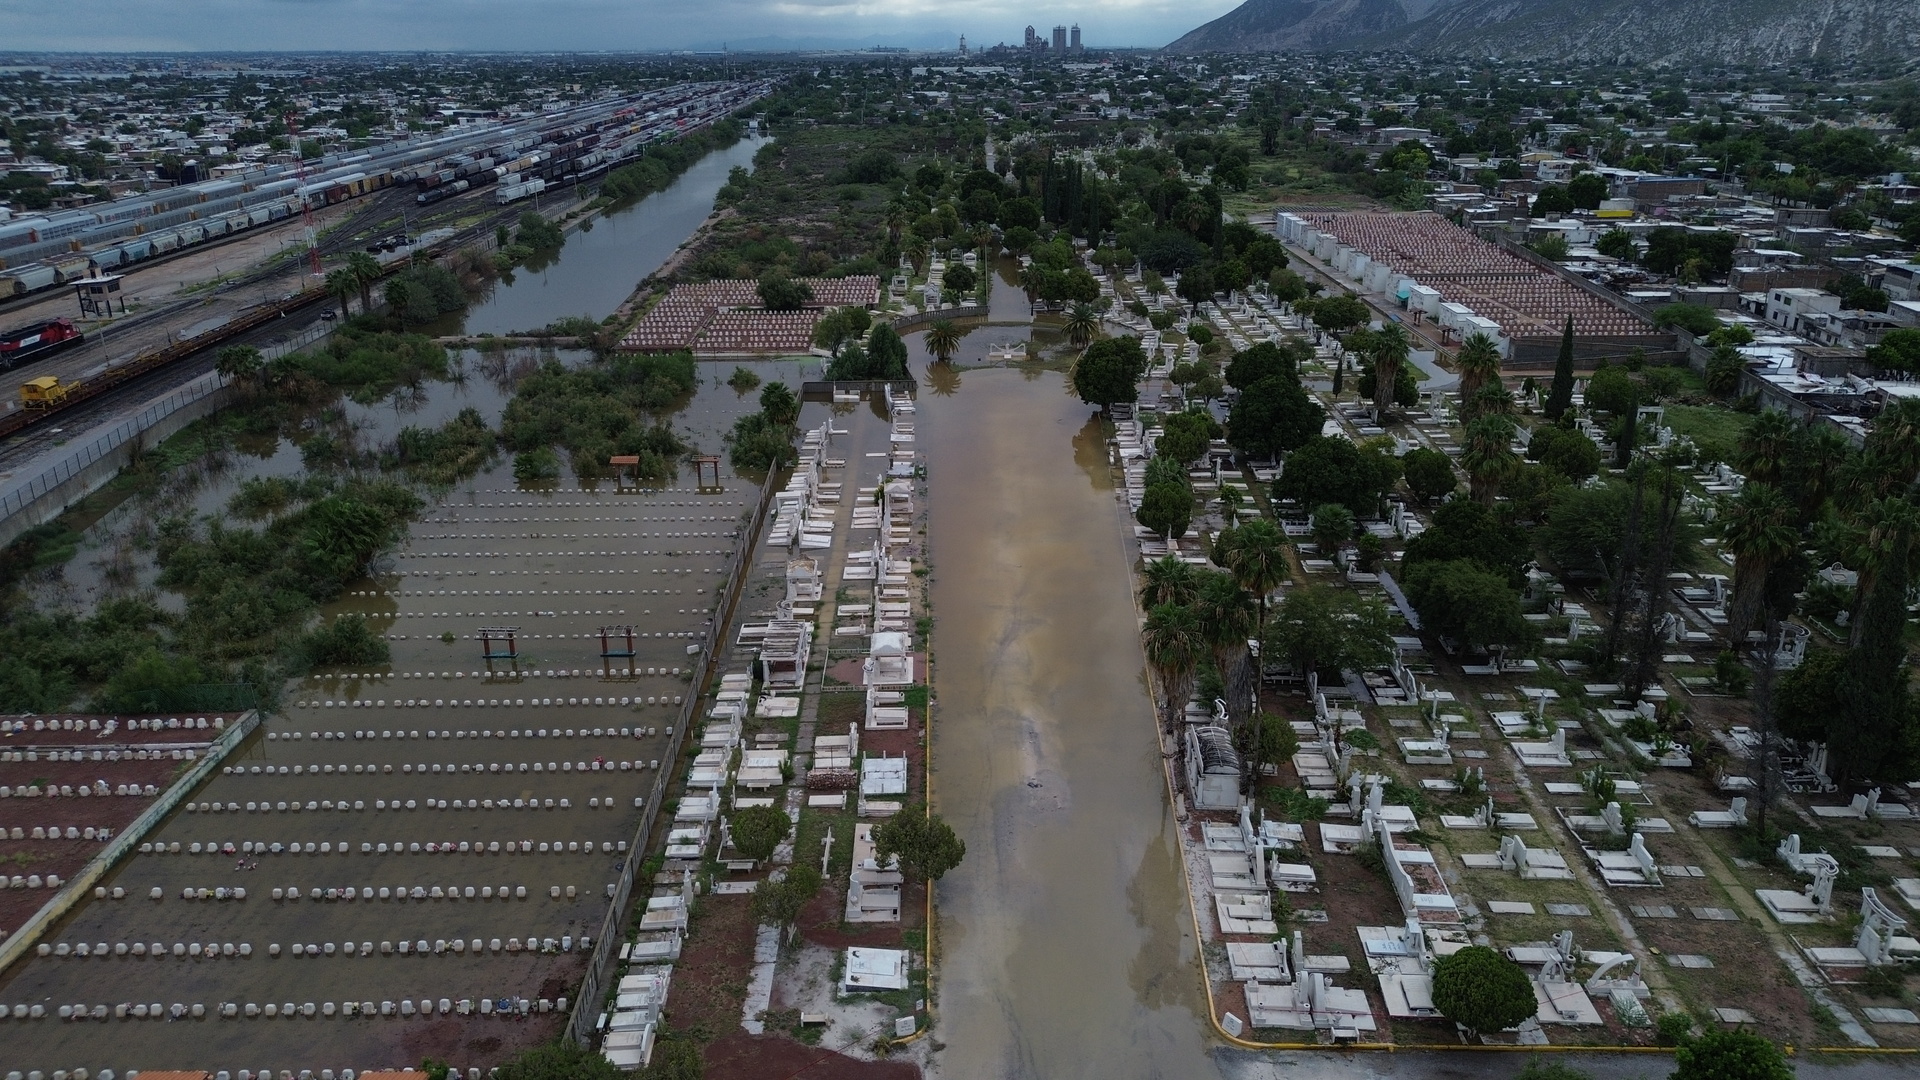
<point>1065,939</point>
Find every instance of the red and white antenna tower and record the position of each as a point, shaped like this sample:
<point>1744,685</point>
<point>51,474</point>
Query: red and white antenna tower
<point>306,206</point>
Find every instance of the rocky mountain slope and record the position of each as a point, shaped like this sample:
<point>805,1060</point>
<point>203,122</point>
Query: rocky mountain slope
<point>1666,32</point>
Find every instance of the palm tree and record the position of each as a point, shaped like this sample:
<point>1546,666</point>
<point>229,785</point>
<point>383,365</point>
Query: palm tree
<point>1494,399</point>
<point>1174,645</point>
<point>1768,446</point>
<point>1257,559</point>
<point>343,284</point>
<point>1760,531</point>
<point>1819,462</point>
<point>366,270</point>
<point>1488,457</point>
<point>943,339</point>
<point>915,250</point>
<point>1169,581</point>
<point>1389,348</point>
<point>1082,323</point>
<point>1226,621</point>
<point>1479,364</point>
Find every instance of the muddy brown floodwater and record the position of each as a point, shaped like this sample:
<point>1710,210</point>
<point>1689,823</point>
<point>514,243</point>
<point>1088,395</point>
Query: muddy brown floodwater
<point>1066,946</point>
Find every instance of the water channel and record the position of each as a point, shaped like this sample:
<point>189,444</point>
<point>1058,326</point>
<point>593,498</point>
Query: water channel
<point>379,804</point>
<point>1066,947</point>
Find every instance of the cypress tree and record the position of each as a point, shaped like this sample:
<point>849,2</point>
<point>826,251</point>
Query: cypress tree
<point>1560,397</point>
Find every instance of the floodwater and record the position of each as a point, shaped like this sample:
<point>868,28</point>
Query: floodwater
<point>382,779</point>
<point>596,268</point>
<point>1065,943</point>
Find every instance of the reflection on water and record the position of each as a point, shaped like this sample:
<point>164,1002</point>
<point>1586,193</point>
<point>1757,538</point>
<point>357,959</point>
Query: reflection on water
<point>598,269</point>
<point>1066,946</point>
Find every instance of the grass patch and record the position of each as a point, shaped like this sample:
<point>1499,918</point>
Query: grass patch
<point>1708,425</point>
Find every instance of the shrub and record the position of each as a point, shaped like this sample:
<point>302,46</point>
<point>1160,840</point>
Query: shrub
<point>758,830</point>
<point>346,640</point>
<point>1482,990</point>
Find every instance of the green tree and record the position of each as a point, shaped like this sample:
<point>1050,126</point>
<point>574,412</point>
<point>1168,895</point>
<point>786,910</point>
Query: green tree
<point>1082,323</point>
<point>1389,350</point>
<point>1478,363</point>
<point>239,363</point>
<point>1465,601</point>
<point>1612,390</point>
<point>342,285</point>
<point>1898,351</point>
<point>840,326</point>
<point>1196,287</point>
<point>1729,1055</point>
<point>1339,314</point>
<point>778,292</point>
<point>1429,474</point>
<point>1257,362</point>
<point>886,353</point>
<point>1325,628</point>
<point>758,830</point>
<point>1760,529</point>
<point>1175,644</point>
<point>365,270</point>
<point>1166,509</point>
<point>925,846</point>
<point>1723,370</point>
<point>1482,990</point>
<point>1185,436</point>
<point>779,903</point>
<point>943,339</point>
<point>1332,527</point>
<point>1803,699</point>
<point>1109,371</point>
<point>1273,416</point>
<point>1560,396</point>
<point>1617,243</point>
<point>1256,556</point>
<point>779,405</point>
<point>1488,458</point>
<point>1169,580</point>
<point>1331,469</point>
<point>1587,191</point>
<point>1464,529</point>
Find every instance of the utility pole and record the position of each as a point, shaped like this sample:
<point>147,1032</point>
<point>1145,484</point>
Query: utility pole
<point>306,205</point>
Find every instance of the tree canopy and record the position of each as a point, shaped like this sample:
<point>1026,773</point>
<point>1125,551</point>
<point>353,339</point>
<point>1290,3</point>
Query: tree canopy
<point>925,845</point>
<point>1332,469</point>
<point>1109,371</point>
<point>1482,990</point>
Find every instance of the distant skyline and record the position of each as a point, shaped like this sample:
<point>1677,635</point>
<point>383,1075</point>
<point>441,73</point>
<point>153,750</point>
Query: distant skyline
<point>585,25</point>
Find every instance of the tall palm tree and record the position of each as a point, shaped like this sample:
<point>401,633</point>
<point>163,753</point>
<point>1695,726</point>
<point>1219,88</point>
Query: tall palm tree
<point>943,339</point>
<point>1759,529</point>
<point>366,270</point>
<point>1768,445</point>
<point>1257,559</point>
<point>1227,620</point>
<point>343,284</point>
<point>1389,348</point>
<point>1478,362</point>
<point>1082,323</point>
<point>1488,457</point>
<point>1169,581</point>
<point>1174,645</point>
<point>1818,465</point>
<point>915,250</point>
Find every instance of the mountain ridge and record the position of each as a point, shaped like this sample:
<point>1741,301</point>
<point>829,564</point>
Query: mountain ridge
<point>1651,32</point>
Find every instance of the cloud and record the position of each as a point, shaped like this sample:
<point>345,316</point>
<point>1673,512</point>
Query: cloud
<point>546,25</point>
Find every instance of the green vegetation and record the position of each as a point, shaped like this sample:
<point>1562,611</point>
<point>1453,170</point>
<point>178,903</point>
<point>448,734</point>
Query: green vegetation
<point>598,410</point>
<point>763,441</point>
<point>446,454</point>
<point>925,846</point>
<point>1482,990</point>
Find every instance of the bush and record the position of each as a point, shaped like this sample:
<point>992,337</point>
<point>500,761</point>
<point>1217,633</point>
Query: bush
<point>153,682</point>
<point>559,1060</point>
<point>1482,990</point>
<point>780,902</point>
<point>540,463</point>
<point>346,640</point>
<point>1166,509</point>
<point>758,830</point>
<point>1730,1055</point>
<point>1673,1028</point>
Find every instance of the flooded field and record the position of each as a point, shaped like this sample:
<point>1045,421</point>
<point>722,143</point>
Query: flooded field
<point>413,859</point>
<point>1066,948</point>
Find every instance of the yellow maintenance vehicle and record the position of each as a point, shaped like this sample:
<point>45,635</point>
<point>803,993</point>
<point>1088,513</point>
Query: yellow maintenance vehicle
<point>45,392</point>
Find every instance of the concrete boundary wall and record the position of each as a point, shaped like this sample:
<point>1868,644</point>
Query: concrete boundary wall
<point>15,948</point>
<point>95,464</point>
<point>921,320</point>
<point>584,1023</point>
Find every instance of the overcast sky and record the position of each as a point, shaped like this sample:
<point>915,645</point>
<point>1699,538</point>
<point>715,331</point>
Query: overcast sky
<point>191,25</point>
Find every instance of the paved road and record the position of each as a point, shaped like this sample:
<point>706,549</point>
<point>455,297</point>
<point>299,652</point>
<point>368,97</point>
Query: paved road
<point>1468,1065</point>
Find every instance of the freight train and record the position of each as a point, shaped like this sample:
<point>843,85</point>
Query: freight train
<point>37,339</point>
<point>43,252</point>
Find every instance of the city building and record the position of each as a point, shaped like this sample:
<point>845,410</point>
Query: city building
<point>1059,40</point>
<point>1075,41</point>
